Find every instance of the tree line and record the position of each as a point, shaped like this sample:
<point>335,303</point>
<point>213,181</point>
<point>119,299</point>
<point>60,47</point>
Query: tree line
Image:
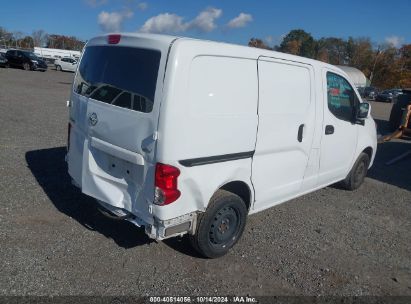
<point>39,38</point>
<point>385,65</point>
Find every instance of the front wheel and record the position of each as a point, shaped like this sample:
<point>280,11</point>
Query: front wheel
<point>221,226</point>
<point>58,68</point>
<point>357,174</point>
<point>26,66</point>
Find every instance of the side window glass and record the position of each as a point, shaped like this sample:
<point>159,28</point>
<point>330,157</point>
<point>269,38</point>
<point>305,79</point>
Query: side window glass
<point>341,97</point>
<point>142,104</point>
<point>105,93</point>
<point>124,100</point>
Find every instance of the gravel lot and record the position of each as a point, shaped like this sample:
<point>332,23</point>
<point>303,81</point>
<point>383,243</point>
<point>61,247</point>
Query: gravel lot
<point>54,242</point>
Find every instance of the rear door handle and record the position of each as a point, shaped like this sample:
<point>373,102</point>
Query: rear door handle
<point>300,133</point>
<point>329,129</point>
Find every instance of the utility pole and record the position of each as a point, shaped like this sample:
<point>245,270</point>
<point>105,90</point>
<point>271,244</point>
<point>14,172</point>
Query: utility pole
<point>379,52</point>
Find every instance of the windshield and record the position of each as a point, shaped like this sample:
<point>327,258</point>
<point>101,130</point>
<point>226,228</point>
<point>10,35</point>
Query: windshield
<point>121,76</point>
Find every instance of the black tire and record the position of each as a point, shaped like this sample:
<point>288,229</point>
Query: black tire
<point>26,66</point>
<point>221,226</point>
<point>58,68</point>
<point>357,174</point>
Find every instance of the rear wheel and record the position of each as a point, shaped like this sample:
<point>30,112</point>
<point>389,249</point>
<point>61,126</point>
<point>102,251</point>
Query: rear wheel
<point>58,68</point>
<point>221,226</point>
<point>357,174</point>
<point>26,66</point>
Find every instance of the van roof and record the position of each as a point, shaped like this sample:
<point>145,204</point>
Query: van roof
<point>161,40</point>
<point>164,41</point>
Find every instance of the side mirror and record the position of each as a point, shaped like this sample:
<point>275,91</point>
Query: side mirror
<point>363,112</point>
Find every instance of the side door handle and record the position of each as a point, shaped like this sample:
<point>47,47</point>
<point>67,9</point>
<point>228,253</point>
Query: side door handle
<point>300,133</point>
<point>329,129</point>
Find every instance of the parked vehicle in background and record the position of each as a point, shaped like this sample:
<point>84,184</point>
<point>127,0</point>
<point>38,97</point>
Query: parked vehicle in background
<point>368,92</point>
<point>388,95</point>
<point>3,61</point>
<point>180,148</point>
<point>26,60</point>
<point>51,54</point>
<point>66,64</point>
<point>398,108</point>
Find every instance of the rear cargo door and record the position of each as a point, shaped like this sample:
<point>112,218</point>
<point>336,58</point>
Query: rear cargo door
<point>122,85</point>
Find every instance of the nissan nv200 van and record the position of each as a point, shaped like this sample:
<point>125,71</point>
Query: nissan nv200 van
<point>184,136</point>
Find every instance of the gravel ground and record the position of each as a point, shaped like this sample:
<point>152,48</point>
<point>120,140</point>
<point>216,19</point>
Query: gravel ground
<point>54,242</point>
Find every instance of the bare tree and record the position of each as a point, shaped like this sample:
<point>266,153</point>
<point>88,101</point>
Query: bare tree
<point>39,38</point>
<point>17,35</point>
<point>258,43</point>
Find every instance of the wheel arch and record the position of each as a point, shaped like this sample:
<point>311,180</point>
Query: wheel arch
<point>241,189</point>
<point>368,151</point>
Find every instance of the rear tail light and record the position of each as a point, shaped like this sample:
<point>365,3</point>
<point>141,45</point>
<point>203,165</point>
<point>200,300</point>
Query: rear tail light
<point>68,136</point>
<point>166,190</point>
<point>113,39</point>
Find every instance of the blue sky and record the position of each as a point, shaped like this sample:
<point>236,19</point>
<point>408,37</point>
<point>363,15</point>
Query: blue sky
<point>224,20</point>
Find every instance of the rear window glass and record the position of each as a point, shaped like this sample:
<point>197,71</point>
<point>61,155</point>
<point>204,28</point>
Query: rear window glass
<point>122,76</point>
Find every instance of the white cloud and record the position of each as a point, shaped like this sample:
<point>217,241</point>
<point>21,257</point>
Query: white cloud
<point>142,6</point>
<point>269,39</point>
<point>95,3</point>
<point>113,22</point>
<point>172,23</point>
<point>240,21</point>
<point>204,22</point>
<point>274,39</point>
<point>395,41</point>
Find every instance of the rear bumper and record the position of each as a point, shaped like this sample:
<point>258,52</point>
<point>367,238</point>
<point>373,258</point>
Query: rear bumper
<point>178,226</point>
<point>158,230</point>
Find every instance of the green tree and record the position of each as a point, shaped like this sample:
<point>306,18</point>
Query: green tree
<point>405,66</point>
<point>360,54</point>
<point>299,42</point>
<point>332,50</point>
<point>387,70</point>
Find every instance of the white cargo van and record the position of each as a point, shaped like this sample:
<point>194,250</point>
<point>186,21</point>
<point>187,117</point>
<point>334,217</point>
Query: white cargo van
<point>188,136</point>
